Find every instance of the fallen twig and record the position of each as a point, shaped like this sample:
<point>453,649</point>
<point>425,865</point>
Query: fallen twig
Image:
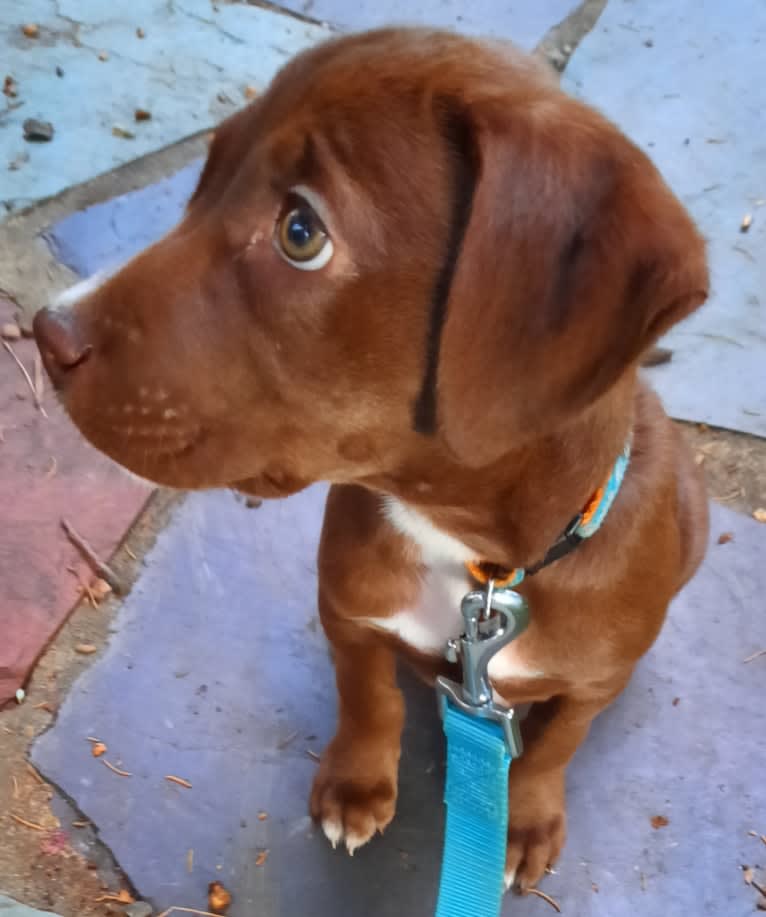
<point>179,780</point>
<point>536,891</point>
<point>313,755</point>
<point>117,770</point>
<point>187,910</point>
<point>103,570</point>
<point>27,824</point>
<point>39,379</point>
<point>283,743</point>
<point>759,888</point>
<point>122,897</point>
<point>26,375</point>
<point>755,655</point>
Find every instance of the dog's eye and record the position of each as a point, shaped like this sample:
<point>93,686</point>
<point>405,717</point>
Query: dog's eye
<point>302,238</point>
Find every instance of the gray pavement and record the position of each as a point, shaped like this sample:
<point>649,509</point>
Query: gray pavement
<point>218,672</point>
<point>11,908</point>
<point>683,80</point>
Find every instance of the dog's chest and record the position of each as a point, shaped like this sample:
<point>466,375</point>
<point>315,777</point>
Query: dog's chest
<point>436,617</point>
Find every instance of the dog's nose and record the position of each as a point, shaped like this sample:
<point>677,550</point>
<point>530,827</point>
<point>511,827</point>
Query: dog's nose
<point>60,347</point>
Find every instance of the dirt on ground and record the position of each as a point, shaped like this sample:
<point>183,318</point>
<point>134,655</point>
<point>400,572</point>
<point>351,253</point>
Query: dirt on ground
<point>50,859</point>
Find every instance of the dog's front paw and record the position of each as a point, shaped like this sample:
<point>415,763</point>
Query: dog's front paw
<point>536,830</point>
<point>354,793</point>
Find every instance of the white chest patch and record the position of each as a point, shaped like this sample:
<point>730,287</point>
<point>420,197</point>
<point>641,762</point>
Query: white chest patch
<point>437,618</point>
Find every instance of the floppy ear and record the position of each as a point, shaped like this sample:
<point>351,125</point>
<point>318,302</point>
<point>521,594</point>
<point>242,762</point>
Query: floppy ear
<point>575,259</point>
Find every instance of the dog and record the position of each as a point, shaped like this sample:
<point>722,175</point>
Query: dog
<point>416,269</point>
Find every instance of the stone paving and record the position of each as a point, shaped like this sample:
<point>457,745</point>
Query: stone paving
<point>11,908</point>
<point>680,79</point>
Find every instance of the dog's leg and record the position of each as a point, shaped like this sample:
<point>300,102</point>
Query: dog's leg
<point>364,572</point>
<point>537,816</point>
<point>354,793</point>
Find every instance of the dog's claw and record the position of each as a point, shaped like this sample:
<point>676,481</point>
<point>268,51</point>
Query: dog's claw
<point>333,831</point>
<point>353,843</point>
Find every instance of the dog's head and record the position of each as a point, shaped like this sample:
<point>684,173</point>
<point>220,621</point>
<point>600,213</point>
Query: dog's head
<point>411,237</point>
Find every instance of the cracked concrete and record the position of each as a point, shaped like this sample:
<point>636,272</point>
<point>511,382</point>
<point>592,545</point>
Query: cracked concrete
<point>189,70</point>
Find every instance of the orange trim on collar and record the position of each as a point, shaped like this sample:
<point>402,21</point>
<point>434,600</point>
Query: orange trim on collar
<point>483,571</point>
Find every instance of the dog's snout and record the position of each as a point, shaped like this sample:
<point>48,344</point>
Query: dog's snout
<point>61,347</point>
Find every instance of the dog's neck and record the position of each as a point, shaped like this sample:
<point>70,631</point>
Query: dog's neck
<point>511,511</point>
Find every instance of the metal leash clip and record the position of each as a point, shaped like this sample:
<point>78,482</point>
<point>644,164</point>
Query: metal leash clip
<point>492,618</point>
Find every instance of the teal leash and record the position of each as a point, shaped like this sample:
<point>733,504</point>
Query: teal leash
<point>482,739</point>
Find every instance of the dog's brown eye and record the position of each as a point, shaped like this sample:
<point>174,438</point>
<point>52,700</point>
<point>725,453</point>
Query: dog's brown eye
<point>303,238</point>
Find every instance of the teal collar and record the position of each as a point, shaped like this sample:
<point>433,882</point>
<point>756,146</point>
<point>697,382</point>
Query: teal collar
<point>583,526</point>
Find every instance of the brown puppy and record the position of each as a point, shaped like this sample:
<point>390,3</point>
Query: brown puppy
<point>416,269</point>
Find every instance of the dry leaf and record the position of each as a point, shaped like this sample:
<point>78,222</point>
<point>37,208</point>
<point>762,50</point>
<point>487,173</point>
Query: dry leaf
<point>85,649</point>
<point>141,114</point>
<point>97,749</point>
<point>250,92</point>
<point>262,816</point>
<point>218,898</point>
<point>262,857</point>
<point>747,875</point>
<point>31,30</point>
<point>725,537</point>
<point>659,821</point>
<point>759,514</point>
<point>103,55</point>
<point>747,222</point>
<point>10,332</point>
<point>100,589</point>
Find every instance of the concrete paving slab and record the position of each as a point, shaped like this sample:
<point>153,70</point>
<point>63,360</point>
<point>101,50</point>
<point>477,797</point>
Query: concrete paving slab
<point>682,79</point>
<point>107,234</point>
<point>47,471</point>
<point>11,908</point>
<point>188,70</point>
<point>523,22</point>
<point>218,673</point>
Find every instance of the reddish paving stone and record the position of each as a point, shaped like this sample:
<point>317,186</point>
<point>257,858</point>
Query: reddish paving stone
<point>37,590</point>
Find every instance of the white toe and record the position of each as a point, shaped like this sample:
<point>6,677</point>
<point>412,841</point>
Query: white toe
<point>333,831</point>
<point>510,878</point>
<point>354,842</point>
